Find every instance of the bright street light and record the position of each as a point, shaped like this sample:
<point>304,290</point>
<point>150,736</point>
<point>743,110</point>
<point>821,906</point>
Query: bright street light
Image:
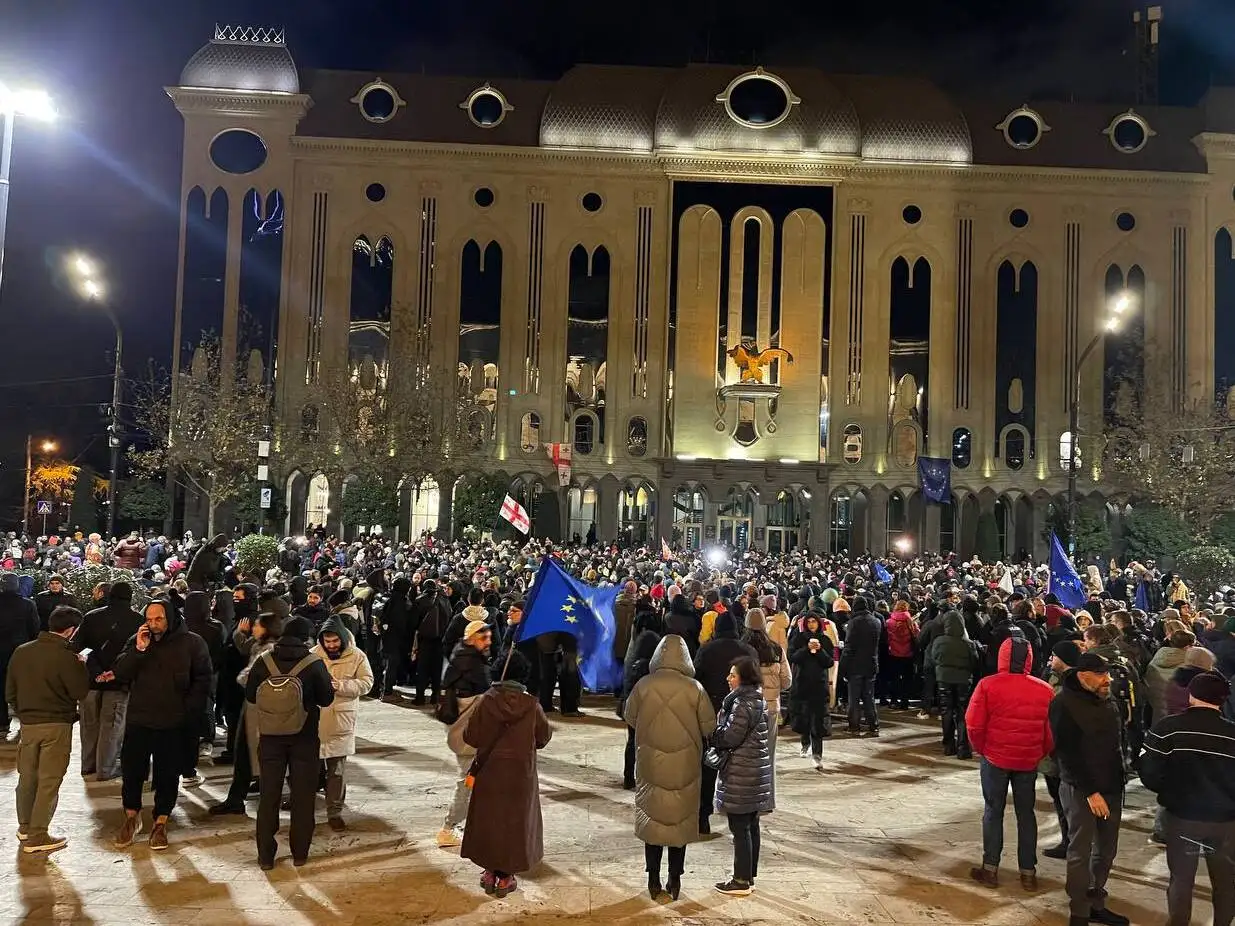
<point>49,446</point>
<point>83,266</point>
<point>31,103</point>
<point>93,289</point>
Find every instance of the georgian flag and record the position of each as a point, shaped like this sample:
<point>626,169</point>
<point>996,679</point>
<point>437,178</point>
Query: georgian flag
<point>513,512</point>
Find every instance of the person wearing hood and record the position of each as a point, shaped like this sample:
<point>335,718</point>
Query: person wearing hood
<point>291,757</point>
<point>197,619</point>
<point>682,619</point>
<point>1197,659</point>
<point>351,678</point>
<point>206,569</point>
<point>167,668</point>
<point>954,659</point>
<point>467,678</point>
<point>860,664</point>
<point>624,618</point>
<point>53,597</point>
<point>343,609</point>
<point>671,716</point>
<point>1007,724</point>
<point>105,631</point>
<point>504,833</point>
<point>231,692</point>
<point>811,655</point>
<point>637,664</point>
<point>397,632</point>
<point>1162,667</point>
<point>314,608</point>
<point>370,596</point>
<point>431,616</point>
<point>19,624</point>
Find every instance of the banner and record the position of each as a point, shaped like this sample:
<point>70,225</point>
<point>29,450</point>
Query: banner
<point>516,514</point>
<point>935,478</point>
<point>560,454</point>
<point>1065,583</point>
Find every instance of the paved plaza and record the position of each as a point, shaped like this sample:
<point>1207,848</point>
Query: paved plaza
<point>885,834</point>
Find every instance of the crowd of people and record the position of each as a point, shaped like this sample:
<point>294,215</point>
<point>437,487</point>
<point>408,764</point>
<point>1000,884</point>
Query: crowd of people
<point>721,651</point>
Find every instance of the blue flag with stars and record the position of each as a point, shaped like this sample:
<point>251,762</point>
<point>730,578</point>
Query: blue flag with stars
<point>560,603</point>
<point>881,574</point>
<point>1065,583</point>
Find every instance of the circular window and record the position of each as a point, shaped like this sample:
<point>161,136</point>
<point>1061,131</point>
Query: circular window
<point>1125,221</point>
<point>1019,218</point>
<point>1023,129</point>
<point>483,197</point>
<point>375,192</point>
<point>592,202</point>
<point>238,151</point>
<point>486,107</point>
<point>1129,133</point>
<point>758,100</point>
<point>378,101</point>
<point>911,214</point>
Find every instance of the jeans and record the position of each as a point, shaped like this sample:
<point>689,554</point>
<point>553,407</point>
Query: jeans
<point>953,700</point>
<point>653,854</point>
<point>456,813</point>
<point>1052,788</point>
<point>336,785</point>
<point>102,730</point>
<point>164,749</point>
<point>1092,845</point>
<point>1187,841</point>
<point>293,758</point>
<point>995,783</point>
<point>745,830</point>
<point>42,759</point>
<point>862,701</point>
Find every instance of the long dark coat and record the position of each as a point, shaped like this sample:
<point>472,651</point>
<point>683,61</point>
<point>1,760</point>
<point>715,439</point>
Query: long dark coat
<point>504,830</point>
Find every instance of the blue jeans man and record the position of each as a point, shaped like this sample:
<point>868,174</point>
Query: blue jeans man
<point>995,783</point>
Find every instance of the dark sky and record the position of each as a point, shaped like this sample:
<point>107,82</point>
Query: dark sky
<point>105,179</point>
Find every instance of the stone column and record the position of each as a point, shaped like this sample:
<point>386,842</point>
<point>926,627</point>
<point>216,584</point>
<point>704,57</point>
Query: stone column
<point>1041,546</point>
<point>445,506</point>
<point>664,512</point>
<point>930,532</point>
<point>820,521</point>
<point>877,522</point>
<point>608,493</point>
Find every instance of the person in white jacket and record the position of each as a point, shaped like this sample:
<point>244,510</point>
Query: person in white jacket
<point>352,677</point>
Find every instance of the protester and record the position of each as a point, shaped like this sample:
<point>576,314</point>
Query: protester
<point>1063,658</point>
<point>671,715</point>
<point>467,678</point>
<point>955,661</point>
<point>644,647</point>
<point>430,616</point>
<point>351,678</point>
<point>860,663</point>
<point>53,597</point>
<point>776,675</point>
<point>812,660</point>
<point>45,682</point>
<point>19,624</point>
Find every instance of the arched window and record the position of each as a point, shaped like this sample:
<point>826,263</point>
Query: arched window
<point>317,509</point>
<point>962,448</point>
<point>947,526</point>
<point>582,511</point>
<point>529,433</point>
<point>841,527</point>
<point>585,434</point>
<point>1014,449</point>
<point>637,437</point>
<point>1001,524</point>
<point>688,508</point>
<point>896,519</point>
<point>426,498</point>
<point>636,515</point>
<point>853,443</point>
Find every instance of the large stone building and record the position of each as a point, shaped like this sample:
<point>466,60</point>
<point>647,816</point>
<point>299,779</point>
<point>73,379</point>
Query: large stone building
<point>592,252</point>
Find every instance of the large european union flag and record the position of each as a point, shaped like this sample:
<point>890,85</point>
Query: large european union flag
<point>560,603</point>
<point>881,574</point>
<point>1065,583</point>
<point>935,478</point>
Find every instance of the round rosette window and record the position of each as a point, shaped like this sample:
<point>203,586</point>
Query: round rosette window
<point>378,101</point>
<point>1129,132</point>
<point>486,107</point>
<point>758,100</point>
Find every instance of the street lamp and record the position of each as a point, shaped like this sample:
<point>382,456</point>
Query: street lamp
<point>1119,307</point>
<point>83,270</point>
<point>47,446</point>
<point>32,104</point>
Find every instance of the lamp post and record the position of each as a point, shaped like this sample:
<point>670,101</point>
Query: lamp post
<point>34,104</point>
<point>1112,324</point>
<point>84,271</point>
<point>47,446</point>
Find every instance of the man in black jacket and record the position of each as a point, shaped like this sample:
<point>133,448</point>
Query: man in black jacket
<point>860,661</point>
<point>47,601</point>
<point>1189,761</point>
<point>206,569</point>
<point>1085,726</point>
<point>292,757</point>
<point>397,632</point>
<point>167,669</point>
<point>197,618</point>
<point>19,624</point>
<point>431,616</point>
<point>104,632</point>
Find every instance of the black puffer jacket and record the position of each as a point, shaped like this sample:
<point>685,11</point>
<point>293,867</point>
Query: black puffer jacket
<point>19,621</point>
<point>862,636</point>
<point>170,681</point>
<point>685,621</point>
<point>642,649</point>
<point>197,618</point>
<point>744,785</point>
<point>714,658</point>
<point>1086,731</point>
<point>396,618</point>
<point>468,672</point>
<point>208,562</point>
<point>810,678</point>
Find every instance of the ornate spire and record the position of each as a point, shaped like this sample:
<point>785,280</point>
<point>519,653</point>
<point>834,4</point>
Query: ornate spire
<point>249,35</point>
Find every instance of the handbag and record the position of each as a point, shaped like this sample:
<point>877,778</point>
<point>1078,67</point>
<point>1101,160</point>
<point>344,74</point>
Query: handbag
<point>714,757</point>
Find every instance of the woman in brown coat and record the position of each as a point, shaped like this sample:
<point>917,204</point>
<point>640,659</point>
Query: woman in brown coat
<point>504,832</point>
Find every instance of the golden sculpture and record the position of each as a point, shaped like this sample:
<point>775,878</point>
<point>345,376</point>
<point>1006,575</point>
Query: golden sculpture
<point>750,364</point>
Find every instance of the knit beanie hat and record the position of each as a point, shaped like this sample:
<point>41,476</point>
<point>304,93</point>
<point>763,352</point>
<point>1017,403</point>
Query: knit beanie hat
<point>840,604</point>
<point>1210,687</point>
<point>1198,657</point>
<point>1068,652</point>
<point>755,619</point>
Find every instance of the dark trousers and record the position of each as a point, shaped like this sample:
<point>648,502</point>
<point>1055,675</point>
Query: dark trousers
<point>373,649</point>
<point>862,702</point>
<point>953,700</point>
<point>165,750</point>
<point>677,859</point>
<point>995,782</point>
<point>628,760</point>
<point>930,693</point>
<point>428,668</point>
<point>707,794</point>
<point>900,679</point>
<point>1092,845</point>
<point>745,830</point>
<point>293,758</point>
<point>242,769</point>
<point>565,674</point>
<point>1052,788</point>
<point>1187,842</point>
<point>397,663</point>
<point>816,720</point>
<point>5,720</point>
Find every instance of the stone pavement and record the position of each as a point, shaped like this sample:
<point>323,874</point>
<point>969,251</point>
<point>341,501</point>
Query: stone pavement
<point>885,834</point>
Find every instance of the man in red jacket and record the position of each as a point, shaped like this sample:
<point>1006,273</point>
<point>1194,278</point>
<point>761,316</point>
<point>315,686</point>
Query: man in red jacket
<point>1007,722</point>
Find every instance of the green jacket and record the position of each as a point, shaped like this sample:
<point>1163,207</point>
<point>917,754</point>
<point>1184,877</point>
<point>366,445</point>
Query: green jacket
<point>952,653</point>
<point>46,680</point>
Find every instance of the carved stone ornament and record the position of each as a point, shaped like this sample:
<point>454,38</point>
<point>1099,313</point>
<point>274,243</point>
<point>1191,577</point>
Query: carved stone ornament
<point>750,362</point>
<point>323,180</point>
<point>646,198</point>
<point>430,188</point>
<point>538,194</point>
<point>859,204</point>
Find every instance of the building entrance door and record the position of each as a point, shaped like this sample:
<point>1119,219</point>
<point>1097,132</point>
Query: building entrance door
<point>733,531</point>
<point>782,539</point>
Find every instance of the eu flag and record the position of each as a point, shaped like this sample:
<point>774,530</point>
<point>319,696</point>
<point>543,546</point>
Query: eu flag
<point>1065,583</point>
<point>560,603</point>
<point>881,574</point>
<point>935,478</point>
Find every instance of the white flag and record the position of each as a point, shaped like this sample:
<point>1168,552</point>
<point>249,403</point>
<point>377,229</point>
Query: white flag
<point>1005,584</point>
<point>515,513</point>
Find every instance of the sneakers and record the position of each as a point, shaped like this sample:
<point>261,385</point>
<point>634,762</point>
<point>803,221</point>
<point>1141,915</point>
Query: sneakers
<point>1029,880</point>
<point>205,751</point>
<point>222,810</point>
<point>22,835</point>
<point>1060,851</point>
<point>192,781</point>
<point>984,876</point>
<point>1157,839</point>
<point>158,837</point>
<point>129,830</point>
<point>336,824</point>
<point>43,842</point>
<point>447,839</point>
<point>735,888</point>
<point>1108,917</point>
<point>819,764</point>
<point>504,886</point>
<point>805,753</point>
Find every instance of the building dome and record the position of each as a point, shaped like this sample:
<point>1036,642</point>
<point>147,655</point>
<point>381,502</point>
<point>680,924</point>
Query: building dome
<point>243,59</point>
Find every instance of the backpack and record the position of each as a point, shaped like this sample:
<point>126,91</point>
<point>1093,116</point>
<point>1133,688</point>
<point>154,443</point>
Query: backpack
<point>280,699</point>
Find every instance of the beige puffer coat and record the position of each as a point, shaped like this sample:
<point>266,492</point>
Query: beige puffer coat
<point>337,726</point>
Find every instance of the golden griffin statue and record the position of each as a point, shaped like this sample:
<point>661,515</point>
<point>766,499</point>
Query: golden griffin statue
<point>750,362</point>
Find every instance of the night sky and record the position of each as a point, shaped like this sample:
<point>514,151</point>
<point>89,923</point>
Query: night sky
<point>105,178</point>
